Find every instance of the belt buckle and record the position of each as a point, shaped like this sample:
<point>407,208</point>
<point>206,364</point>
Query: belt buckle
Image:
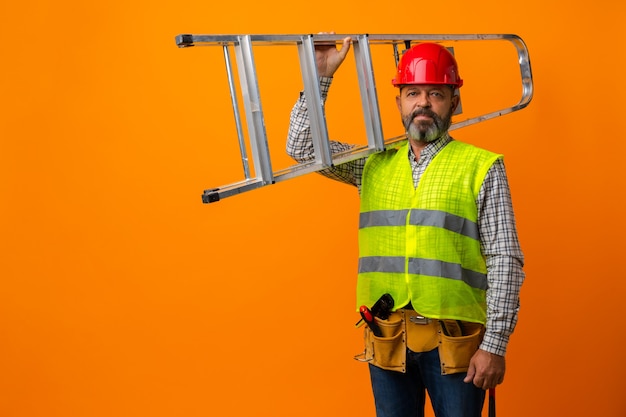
<point>419,319</point>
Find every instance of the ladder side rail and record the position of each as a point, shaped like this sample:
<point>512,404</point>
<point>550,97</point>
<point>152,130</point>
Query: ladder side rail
<point>357,152</point>
<point>235,104</point>
<point>216,194</point>
<point>186,40</point>
<point>400,38</point>
<point>308,167</point>
<point>254,110</point>
<point>369,97</point>
<point>313,95</point>
<point>526,79</point>
<point>525,70</point>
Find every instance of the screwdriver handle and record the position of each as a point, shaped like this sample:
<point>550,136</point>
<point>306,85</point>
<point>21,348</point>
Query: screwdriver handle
<point>367,316</point>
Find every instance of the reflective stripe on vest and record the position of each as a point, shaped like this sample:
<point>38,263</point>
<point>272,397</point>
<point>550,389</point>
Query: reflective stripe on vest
<point>441,219</point>
<point>422,245</point>
<point>429,267</point>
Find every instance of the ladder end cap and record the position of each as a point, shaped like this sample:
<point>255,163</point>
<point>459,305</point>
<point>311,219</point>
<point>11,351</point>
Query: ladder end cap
<point>184,41</point>
<point>211,196</point>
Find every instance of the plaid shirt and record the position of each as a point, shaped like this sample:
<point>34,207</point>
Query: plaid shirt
<point>496,221</point>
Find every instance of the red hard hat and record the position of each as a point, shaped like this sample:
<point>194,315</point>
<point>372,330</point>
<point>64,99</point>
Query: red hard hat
<point>427,63</point>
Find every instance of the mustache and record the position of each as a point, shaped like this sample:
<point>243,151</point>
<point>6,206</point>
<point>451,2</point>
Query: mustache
<point>423,112</point>
<point>408,119</point>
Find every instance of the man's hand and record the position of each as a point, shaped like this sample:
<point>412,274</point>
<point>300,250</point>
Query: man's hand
<point>486,370</point>
<point>328,57</point>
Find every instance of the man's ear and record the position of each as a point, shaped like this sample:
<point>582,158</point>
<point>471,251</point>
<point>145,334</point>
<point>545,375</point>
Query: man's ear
<point>399,103</point>
<point>455,102</point>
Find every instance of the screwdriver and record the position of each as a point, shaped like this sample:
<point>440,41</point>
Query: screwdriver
<point>369,319</point>
<point>381,308</point>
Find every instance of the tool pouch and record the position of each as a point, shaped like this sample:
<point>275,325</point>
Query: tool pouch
<point>457,348</point>
<point>389,351</point>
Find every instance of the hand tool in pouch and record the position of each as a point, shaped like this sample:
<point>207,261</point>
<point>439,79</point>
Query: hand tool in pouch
<point>381,308</point>
<point>370,320</point>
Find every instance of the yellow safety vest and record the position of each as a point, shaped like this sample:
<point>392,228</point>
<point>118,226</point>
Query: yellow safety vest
<point>421,245</point>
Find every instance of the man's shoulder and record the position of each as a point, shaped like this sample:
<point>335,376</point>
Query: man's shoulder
<point>470,149</point>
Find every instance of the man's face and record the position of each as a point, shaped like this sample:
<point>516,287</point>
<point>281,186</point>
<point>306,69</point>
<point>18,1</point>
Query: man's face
<point>426,110</point>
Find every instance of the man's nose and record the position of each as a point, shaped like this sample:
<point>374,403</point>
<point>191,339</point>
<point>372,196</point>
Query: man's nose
<point>422,100</point>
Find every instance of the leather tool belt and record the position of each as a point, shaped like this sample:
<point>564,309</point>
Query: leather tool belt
<point>457,341</point>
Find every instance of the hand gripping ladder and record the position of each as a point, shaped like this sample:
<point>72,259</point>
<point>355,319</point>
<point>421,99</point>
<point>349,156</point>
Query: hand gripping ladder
<point>246,73</point>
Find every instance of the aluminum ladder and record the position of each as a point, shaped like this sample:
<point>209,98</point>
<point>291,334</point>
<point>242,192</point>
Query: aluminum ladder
<point>256,136</point>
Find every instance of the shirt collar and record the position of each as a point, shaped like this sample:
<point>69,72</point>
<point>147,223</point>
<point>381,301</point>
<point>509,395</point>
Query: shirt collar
<point>431,148</point>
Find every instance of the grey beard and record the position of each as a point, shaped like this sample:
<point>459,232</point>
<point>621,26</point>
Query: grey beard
<point>436,130</point>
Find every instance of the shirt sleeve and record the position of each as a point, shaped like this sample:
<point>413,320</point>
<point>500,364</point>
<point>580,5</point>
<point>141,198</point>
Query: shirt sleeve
<point>504,258</point>
<point>300,141</point>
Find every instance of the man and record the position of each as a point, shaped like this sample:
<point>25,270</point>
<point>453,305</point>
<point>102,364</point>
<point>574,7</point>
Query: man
<point>437,232</point>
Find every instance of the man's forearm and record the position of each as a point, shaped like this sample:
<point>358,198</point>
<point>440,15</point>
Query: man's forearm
<point>503,303</point>
<point>300,142</point>
<point>504,257</point>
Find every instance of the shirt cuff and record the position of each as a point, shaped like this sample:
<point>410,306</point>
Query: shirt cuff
<point>494,343</point>
<point>325,83</point>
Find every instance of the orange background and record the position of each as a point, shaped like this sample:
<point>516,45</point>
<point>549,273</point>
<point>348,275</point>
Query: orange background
<point>123,295</point>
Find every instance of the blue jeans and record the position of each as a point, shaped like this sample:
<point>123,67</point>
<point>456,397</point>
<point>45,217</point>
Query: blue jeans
<point>399,394</point>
